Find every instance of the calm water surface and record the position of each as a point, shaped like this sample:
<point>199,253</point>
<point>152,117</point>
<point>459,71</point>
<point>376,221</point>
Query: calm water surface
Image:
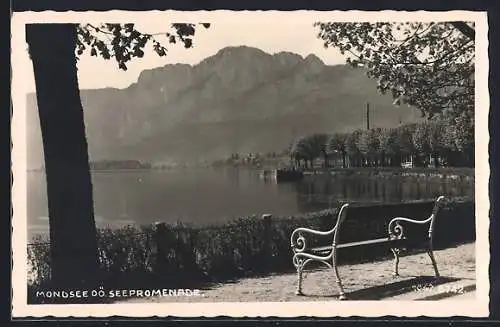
<point>205,196</point>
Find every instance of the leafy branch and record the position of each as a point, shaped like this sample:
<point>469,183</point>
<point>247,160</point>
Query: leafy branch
<point>409,59</point>
<point>123,42</point>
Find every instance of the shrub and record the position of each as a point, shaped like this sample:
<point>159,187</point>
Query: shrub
<point>182,255</point>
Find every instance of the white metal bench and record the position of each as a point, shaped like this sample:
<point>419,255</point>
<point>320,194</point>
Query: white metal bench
<point>395,239</point>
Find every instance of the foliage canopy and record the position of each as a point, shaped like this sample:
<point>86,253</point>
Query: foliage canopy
<point>123,42</point>
<point>429,65</point>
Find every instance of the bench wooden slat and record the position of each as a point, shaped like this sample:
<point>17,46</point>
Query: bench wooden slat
<point>352,244</point>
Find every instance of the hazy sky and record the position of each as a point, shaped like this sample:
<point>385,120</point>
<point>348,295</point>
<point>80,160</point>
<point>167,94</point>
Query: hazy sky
<point>269,35</point>
<point>267,30</point>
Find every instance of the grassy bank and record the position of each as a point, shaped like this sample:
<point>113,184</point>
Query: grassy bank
<point>189,256</point>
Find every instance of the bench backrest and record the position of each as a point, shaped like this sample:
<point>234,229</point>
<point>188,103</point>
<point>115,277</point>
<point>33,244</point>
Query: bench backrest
<point>437,205</point>
<point>340,218</point>
<point>364,223</point>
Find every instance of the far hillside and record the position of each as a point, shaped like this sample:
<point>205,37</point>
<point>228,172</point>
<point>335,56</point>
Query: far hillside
<point>241,100</point>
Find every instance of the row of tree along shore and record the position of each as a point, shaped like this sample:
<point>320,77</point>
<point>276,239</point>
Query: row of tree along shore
<point>181,255</point>
<point>435,143</point>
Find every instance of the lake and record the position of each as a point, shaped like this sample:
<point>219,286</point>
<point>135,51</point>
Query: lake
<point>205,196</point>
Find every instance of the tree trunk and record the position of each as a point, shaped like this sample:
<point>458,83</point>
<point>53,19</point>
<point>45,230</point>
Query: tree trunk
<point>73,239</point>
<point>436,160</point>
<point>417,162</point>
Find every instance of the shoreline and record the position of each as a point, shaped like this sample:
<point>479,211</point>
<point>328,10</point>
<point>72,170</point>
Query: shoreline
<point>446,170</point>
<point>335,205</point>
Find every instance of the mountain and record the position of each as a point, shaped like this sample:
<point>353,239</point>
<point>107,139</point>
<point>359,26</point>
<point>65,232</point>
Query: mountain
<point>239,100</point>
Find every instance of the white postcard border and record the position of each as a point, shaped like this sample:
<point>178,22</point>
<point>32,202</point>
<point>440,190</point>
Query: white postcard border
<point>21,66</point>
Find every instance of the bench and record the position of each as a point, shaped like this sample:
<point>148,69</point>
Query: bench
<point>395,239</point>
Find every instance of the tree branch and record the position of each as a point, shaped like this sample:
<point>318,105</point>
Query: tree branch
<point>465,29</point>
<point>449,53</point>
<point>417,33</point>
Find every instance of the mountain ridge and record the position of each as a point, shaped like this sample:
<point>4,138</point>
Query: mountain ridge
<point>241,99</point>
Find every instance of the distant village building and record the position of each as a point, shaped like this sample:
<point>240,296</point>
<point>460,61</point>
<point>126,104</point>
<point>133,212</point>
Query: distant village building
<point>407,162</point>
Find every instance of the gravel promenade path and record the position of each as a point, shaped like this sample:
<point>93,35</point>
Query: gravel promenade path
<point>366,281</point>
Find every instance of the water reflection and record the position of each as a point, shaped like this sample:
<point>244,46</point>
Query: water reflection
<point>207,196</point>
<point>319,192</point>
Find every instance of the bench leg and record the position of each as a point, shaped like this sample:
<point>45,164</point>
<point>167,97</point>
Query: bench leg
<point>342,295</point>
<point>395,251</point>
<point>433,260</point>
<point>298,291</point>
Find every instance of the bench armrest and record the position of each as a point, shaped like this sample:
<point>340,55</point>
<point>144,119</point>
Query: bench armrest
<point>396,230</point>
<point>298,240</point>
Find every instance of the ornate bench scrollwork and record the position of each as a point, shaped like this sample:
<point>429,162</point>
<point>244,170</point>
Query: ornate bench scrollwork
<point>302,256</point>
<point>397,232</point>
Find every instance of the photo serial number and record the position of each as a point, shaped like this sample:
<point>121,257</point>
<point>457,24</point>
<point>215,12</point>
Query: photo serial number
<point>429,288</point>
